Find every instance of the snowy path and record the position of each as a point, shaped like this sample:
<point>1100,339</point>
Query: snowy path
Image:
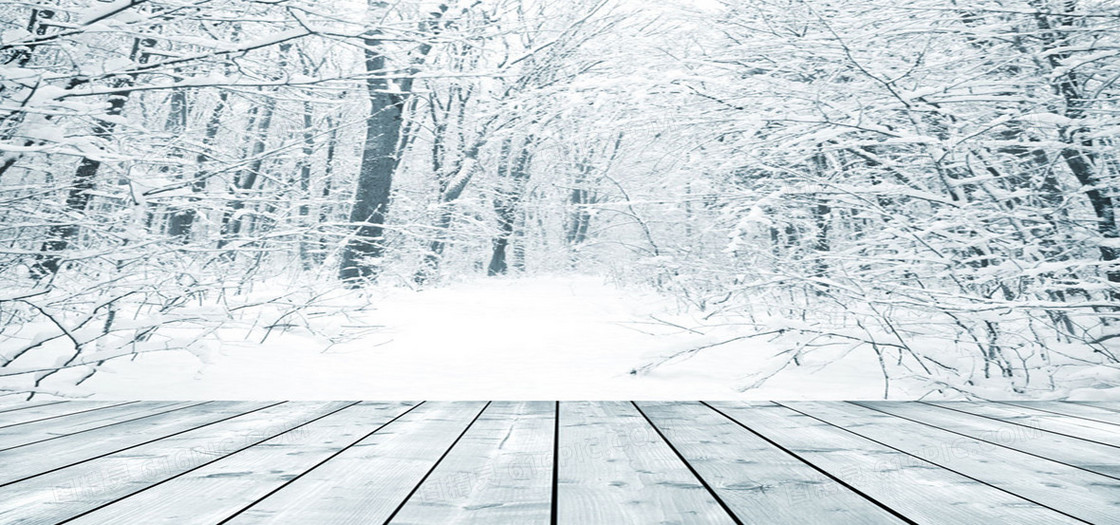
<point>541,338</point>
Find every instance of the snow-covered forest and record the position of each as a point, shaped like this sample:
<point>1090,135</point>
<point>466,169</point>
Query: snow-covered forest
<point>920,194</point>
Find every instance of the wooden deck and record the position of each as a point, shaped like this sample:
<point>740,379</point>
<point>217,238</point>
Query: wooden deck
<point>570,462</point>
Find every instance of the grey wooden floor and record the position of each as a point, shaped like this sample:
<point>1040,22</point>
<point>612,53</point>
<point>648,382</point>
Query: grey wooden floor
<point>570,462</point>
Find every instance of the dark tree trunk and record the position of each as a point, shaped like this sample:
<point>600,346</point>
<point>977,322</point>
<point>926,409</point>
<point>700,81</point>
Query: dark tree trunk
<point>580,219</point>
<point>583,196</point>
<point>180,218</point>
<point>821,219</point>
<point>183,222</point>
<point>507,204</point>
<point>453,189</point>
<point>232,223</point>
<point>380,158</point>
<point>328,174</point>
<point>38,25</point>
<point>61,236</point>
<point>306,239</point>
<point>1079,153</point>
<point>245,180</point>
<point>375,176</point>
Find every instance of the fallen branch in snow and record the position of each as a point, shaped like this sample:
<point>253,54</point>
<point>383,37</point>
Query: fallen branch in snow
<point>692,351</point>
<point>98,361</point>
<point>685,328</point>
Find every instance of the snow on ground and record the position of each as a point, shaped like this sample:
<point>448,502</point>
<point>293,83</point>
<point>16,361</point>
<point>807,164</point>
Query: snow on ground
<point>524,338</point>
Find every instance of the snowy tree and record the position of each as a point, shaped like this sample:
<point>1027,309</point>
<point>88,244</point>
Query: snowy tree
<point>932,184</point>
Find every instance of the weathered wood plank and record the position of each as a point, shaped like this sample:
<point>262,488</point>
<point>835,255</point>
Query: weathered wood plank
<point>53,411</point>
<point>368,481</point>
<point>155,462</point>
<point>23,435</point>
<point>614,468</point>
<point>757,480</point>
<point>11,403</point>
<point>917,489</point>
<point>500,472</point>
<point>1079,428</point>
<point>218,490</point>
<point>66,493</point>
<point>20,463</point>
<point>1084,495</point>
<point>1094,457</point>
<point>1077,410</point>
<point>1111,406</point>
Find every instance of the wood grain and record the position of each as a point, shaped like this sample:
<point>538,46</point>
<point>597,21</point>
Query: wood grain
<point>1097,458</point>
<point>65,493</point>
<point>758,481</point>
<point>11,403</point>
<point>21,435</point>
<point>1111,406</point>
<point>42,457</point>
<point>218,490</point>
<point>1084,495</point>
<point>48,411</point>
<point>500,472</point>
<point>915,488</point>
<point>365,483</point>
<point>614,468</point>
<point>617,463</point>
<point>1077,410</point>
<point>1070,426</point>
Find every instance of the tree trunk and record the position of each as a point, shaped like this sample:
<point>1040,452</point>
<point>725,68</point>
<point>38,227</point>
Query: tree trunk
<point>1079,153</point>
<point>579,218</point>
<point>246,179</point>
<point>180,217</point>
<point>306,239</point>
<point>328,173</point>
<point>61,236</point>
<point>380,157</point>
<point>821,218</point>
<point>454,188</point>
<point>38,25</point>
<point>375,177</point>
<point>506,205</point>
<point>184,221</point>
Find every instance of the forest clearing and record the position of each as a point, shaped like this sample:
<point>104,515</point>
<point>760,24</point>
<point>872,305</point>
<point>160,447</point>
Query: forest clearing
<point>520,199</point>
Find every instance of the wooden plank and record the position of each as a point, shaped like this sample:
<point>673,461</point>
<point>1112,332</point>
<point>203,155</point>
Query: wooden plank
<point>53,411</point>
<point>23,435</point>
<point>65,493</point>
<point>39,458</point>
<point>1079,428</point>
<point>12,403</point>
<point>756,479</point>
<point>1111,406</point>
<point>216,491</point>
<point>917,489</point>
<point>614,468</point>
<point>1077,410</point>
<point>1074,492</point>
<point>1093,457</point>
<point>500,472</point>
<point>366,482</point>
